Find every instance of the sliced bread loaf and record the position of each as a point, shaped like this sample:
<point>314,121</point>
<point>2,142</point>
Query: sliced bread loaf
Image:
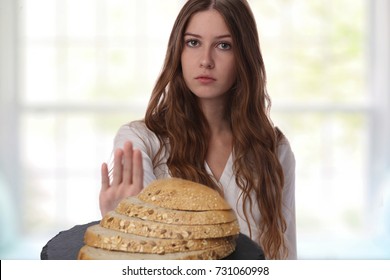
<point>170,219</point>
<point>99,237</point>
<point>116,221</point>
<point>92,253</point>
<point>134,207</point>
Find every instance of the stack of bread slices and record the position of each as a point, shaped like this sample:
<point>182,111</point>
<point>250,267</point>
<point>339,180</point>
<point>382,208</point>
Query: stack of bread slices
<point>170,219</point>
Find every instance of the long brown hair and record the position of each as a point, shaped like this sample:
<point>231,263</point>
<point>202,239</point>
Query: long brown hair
<point>174,116</point>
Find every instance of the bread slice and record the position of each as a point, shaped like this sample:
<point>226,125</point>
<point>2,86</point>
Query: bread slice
<point>179,194</point>
<point>116,221</point>
<point>99,237</point>
<point>133,207</point>
<point>92,253</point>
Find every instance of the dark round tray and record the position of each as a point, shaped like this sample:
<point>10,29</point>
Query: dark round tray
<point>66,245</point>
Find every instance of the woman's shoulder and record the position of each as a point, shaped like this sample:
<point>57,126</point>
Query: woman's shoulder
<point>137,127</point>
<point>285,152</point>
<point>137,132</point>
<point>287,160</point>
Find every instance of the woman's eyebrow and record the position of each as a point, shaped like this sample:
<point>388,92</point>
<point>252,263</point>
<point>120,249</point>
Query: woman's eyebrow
<point>199,36</point>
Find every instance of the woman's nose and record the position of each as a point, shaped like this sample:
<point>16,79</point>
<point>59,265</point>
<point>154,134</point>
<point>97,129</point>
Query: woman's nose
<point>207,59</point>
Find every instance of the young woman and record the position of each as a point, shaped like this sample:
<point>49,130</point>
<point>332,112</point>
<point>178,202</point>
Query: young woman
<point>208,121</point>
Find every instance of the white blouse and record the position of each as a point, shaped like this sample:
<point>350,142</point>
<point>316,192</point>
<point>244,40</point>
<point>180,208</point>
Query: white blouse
<point>147,142</point>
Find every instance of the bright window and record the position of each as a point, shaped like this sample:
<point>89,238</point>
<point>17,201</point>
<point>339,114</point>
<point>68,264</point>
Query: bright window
<point>83,68</point>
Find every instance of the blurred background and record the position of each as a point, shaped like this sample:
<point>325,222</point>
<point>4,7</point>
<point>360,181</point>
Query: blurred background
<point>73,71</point>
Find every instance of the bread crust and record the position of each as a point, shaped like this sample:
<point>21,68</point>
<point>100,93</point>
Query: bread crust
<point>99,237</point>
<point>179,194</point>
<point>134,207</point>
<point>116,221</point>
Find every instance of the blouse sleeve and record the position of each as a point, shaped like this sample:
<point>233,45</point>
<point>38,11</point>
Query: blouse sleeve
<point>143,140</point>
<point>287,160</point>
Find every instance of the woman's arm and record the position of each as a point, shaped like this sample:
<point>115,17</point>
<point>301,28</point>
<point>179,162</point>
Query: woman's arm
<point>287,160</point>
<point>134,148</point>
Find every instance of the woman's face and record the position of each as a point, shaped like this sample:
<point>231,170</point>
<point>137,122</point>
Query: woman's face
<point>207,59</point>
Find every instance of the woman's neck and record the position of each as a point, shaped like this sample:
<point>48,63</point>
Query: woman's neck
<point>215,114</point>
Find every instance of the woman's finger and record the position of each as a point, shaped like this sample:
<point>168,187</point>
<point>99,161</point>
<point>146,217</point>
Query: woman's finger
<point>127,163</point>
<point>138,171</point>
<point>118,167</point>
<point>105,178</point>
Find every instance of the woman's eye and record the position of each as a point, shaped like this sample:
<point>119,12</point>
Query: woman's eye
<point>224,46</point>
<point>192,43</point>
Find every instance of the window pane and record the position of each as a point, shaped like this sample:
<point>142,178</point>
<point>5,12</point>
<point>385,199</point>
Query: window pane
<point>80,73</point>
<point>81,19</point>
<point>40,74</point>
<point>39,22</point>
<point>331,177</point>
<point>313,52</point>
<point>61,158</point>
<point>121,19</point>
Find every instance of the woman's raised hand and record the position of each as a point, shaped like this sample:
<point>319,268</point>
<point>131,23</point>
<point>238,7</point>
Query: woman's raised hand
<point>127,178</point>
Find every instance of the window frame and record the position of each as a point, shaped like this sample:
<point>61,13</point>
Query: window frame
<point>10,166</point>
<point>379,87</point>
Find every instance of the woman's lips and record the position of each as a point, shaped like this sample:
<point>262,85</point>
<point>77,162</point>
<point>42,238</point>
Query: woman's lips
<point>205,79</point>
